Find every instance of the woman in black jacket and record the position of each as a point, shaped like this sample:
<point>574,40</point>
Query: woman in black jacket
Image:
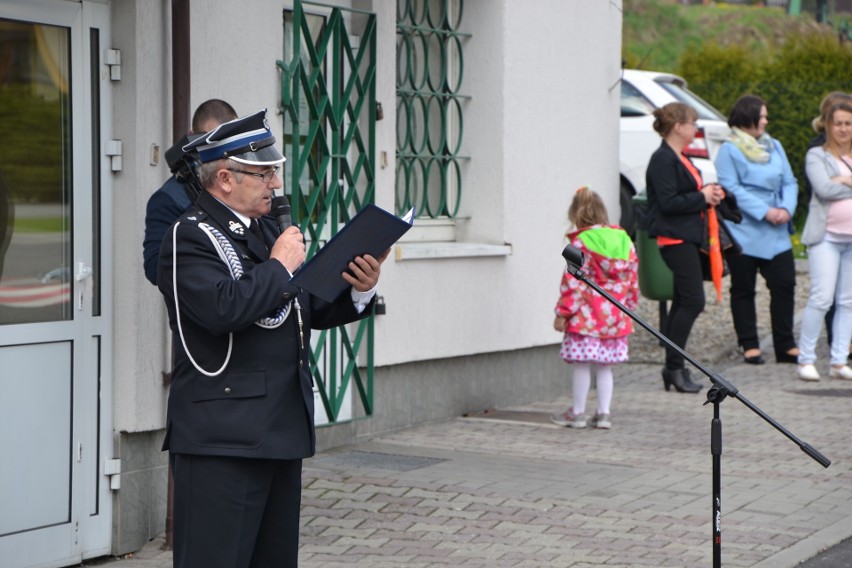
<point>677,203</point>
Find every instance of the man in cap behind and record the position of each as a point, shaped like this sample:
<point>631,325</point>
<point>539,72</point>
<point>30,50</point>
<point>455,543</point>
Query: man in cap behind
<point>175,196</point>
<point>240,413</point>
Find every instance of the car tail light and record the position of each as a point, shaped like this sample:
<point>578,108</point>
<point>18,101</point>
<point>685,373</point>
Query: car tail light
<point>698,148</point>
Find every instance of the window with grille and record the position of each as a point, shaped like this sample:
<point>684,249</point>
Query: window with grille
<point>429,107</point>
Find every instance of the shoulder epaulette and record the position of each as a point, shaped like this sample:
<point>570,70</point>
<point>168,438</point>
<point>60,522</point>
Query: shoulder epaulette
<point>193,216</point>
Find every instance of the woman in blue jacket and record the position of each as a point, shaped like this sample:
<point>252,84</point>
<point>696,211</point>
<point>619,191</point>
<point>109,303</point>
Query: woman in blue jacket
<point>754,168</point>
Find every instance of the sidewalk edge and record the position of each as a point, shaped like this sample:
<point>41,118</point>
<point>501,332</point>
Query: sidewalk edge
<point>810,546</point>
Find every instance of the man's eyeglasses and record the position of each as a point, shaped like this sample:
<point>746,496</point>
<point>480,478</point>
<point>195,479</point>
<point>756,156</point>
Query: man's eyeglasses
<point>265,177</point>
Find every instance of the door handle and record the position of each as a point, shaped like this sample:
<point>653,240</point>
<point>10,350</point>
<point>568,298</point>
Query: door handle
<point>83,272</point>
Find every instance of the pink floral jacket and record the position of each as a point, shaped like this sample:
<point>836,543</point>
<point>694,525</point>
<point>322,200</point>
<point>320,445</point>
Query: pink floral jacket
<point>611,263</point>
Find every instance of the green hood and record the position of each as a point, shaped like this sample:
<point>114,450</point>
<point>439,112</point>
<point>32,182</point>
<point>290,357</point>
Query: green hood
<point>611,242</point>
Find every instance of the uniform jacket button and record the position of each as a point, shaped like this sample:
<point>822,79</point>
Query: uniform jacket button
<point>227,390</point>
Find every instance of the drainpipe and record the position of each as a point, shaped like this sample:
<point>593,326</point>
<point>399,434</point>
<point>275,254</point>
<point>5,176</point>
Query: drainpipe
<point>180,126</point>
<point>180,68</point>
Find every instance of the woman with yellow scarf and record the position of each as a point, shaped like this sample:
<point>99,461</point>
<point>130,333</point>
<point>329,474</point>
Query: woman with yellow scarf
<point>754,168</point>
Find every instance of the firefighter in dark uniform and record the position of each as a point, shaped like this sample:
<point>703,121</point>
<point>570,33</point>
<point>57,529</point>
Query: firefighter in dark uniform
<point>241,411</point>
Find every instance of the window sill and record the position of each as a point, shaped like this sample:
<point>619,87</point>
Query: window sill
<point>431,250</point>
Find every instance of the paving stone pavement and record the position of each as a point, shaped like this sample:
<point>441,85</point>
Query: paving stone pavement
<point>505,488</point>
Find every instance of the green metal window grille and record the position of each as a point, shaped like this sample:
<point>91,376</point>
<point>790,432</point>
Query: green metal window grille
<point>329,113</point>
<point>429,106</point>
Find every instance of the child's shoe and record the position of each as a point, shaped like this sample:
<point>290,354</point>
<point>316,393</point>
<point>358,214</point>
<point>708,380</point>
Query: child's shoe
<point>601,421</point>
<point>568,419</point>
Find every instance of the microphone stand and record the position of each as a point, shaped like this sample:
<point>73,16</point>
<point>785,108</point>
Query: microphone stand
<point>721,389</point>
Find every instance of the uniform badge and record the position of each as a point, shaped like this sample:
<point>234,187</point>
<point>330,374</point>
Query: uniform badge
<point>237,228</point>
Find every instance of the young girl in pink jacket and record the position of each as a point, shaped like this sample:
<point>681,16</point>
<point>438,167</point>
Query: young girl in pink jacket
<point>595,330</point>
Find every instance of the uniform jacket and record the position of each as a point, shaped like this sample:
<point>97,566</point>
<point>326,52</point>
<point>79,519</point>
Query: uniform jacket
<point>820,167</point>
<point>164,207</point>
<point>610,262</point>
<point>675,206</point>
<point>759,187</point>
<point>261,405</point>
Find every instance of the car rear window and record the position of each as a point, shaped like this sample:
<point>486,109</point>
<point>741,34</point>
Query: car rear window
<point>702,107</point>
<point>633,103</point>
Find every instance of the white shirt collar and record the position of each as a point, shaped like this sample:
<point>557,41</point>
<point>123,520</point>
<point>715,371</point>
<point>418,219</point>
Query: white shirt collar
<point>246,220</point>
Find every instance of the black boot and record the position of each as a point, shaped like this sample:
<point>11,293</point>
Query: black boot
<point>688,384</point>
<point>680,379</point>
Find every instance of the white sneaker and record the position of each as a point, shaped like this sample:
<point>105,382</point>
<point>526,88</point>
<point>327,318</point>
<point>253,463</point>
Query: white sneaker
<point>601,421</point>
<point>808,372</point>
<point>843,372</point>
<point>569,419</point>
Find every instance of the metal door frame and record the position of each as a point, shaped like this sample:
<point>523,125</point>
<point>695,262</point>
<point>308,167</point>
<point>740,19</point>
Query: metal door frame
<point>88,530</point>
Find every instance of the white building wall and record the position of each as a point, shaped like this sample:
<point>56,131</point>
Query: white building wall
<point>141,118</point>
<point>542,121</point>
<point>561,133</point>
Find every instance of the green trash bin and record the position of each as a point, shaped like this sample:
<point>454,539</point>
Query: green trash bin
<point>656,281</point>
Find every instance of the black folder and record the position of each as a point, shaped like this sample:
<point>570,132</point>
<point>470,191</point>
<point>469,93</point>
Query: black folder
<point>372,231</point>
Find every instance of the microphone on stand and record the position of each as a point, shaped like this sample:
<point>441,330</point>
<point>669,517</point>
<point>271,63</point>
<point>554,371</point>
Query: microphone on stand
<point>281,212</point>
<point>574,257</point>
<point>721,389</point>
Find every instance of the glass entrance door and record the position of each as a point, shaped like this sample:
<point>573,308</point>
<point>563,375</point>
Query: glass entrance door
<point>35,183</point>
<point>54,419</point>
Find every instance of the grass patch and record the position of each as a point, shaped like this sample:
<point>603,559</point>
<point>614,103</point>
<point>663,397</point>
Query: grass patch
<point>40,225</point>
<point>656,33</point>
<point>799,250</point>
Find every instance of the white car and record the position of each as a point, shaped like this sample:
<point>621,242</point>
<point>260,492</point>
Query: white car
<point>641,93</point>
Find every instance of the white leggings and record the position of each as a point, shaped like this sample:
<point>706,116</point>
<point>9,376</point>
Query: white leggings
<point>582,382</point>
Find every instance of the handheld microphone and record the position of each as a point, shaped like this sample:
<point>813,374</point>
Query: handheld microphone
<point>281,212</point>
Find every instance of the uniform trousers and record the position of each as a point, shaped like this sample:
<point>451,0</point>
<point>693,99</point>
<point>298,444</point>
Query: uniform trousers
<point>236,512</point>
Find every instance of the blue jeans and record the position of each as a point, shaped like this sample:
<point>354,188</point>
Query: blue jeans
<point>830,266</point>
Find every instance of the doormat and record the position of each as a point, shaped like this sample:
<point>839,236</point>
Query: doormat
<point>517,416</point>
<point>375,460</point>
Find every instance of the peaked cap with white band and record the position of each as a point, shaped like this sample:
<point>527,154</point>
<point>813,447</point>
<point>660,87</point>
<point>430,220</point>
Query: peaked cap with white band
<point>247,140</point>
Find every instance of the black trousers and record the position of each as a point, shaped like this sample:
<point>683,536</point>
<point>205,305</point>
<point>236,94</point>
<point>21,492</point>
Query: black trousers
<point>684,262</point>
<point>779,273</point>
<point>236,512</point>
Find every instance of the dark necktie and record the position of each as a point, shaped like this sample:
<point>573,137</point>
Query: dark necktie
<point>254,227</point>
